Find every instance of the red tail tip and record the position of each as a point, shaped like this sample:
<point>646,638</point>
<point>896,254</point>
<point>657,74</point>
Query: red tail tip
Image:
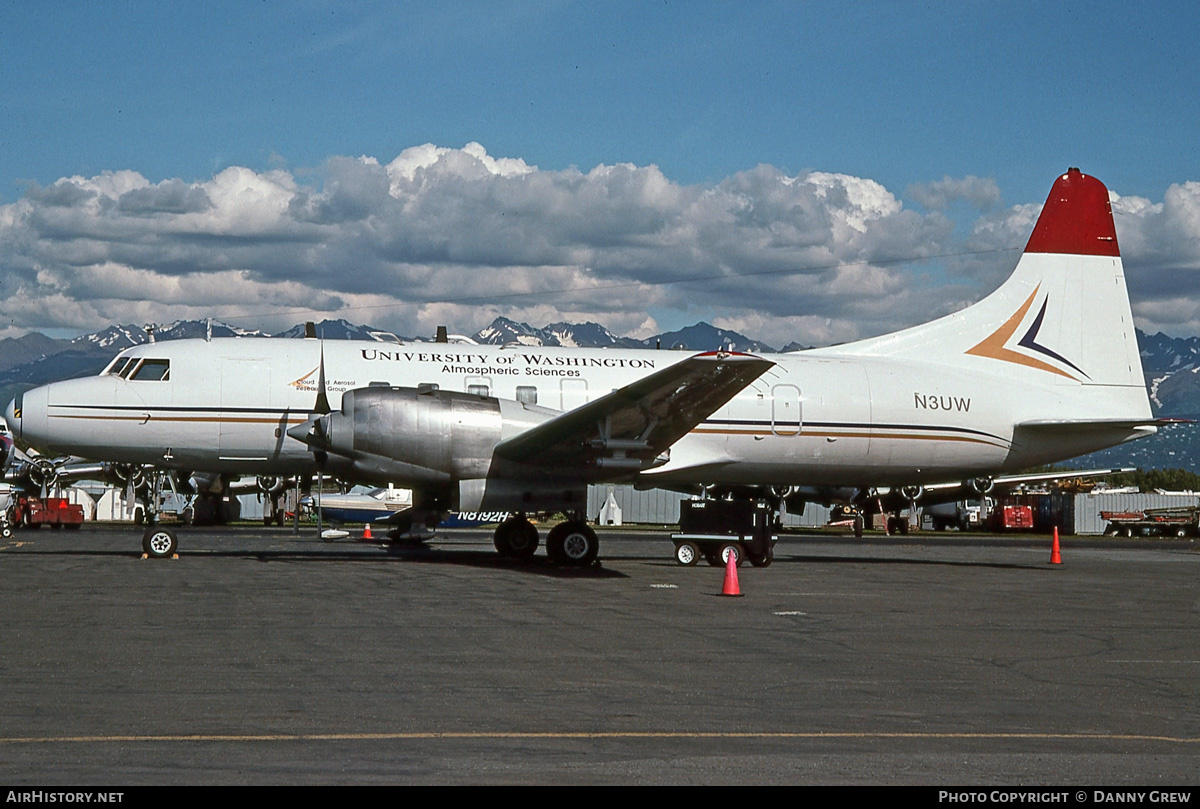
<point>1076,219</point>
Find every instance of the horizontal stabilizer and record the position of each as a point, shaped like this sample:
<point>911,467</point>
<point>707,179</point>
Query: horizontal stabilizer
<point>1090,425</point>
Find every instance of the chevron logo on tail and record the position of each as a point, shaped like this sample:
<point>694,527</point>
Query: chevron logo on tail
<point>996,345</point>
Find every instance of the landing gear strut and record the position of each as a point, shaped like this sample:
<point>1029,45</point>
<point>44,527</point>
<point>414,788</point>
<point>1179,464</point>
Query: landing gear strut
<point>158,542</point>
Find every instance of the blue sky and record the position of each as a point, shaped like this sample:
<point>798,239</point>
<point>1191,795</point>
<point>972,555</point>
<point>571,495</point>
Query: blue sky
<point>996,98</point>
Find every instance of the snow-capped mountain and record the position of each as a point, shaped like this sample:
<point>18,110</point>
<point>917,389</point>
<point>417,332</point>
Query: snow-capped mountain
<point>706,337</point>
<point>1172,369</point>
<point>700,337</point>
<point>332,330</point>
<point>503,331</point>
<point>115,338</point>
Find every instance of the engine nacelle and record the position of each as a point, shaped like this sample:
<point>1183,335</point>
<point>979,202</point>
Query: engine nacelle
<point>422,436</point>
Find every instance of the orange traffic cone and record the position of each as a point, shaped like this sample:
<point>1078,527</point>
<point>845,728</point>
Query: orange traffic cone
<point>367,532</point>
<point>1055,557</point>
<point>731,580</point>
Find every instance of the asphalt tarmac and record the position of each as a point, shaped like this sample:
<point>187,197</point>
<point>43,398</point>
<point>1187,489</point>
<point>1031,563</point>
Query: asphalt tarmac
<point>261,657</point>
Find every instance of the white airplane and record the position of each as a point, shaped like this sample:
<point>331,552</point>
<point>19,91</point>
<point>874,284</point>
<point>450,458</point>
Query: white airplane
<point>1043,369</point>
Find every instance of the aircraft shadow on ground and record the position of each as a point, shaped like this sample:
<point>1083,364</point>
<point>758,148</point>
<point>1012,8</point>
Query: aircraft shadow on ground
<point>865,560</point>
<point>404,554</point>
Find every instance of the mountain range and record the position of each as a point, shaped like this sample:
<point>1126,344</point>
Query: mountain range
<point>1171,364</point>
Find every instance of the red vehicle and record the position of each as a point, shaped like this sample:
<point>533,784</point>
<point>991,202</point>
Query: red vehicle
<point>34,512</point>
<point>1180,521</point>
<point>1010,518</point>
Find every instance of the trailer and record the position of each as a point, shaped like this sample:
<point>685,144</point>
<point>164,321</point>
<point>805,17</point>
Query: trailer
<point>1180,521</point>
<point>57,512</point>
<point>716,529</point>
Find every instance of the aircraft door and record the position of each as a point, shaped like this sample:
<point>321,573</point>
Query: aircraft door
<point>245,421</point>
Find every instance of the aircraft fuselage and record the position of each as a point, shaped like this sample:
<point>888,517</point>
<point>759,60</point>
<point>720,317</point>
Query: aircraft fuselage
<point>814,418</point>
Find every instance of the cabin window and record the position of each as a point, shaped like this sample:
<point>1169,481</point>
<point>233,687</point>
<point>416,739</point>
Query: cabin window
<point>151,370</point>
<point>527,394</point>
<point>479,385</point>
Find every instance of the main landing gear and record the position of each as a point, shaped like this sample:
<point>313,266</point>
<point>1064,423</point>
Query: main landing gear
<point>572,543</point>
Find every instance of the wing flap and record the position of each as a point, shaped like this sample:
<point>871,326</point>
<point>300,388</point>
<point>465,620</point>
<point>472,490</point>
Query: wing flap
<point>627,431</point>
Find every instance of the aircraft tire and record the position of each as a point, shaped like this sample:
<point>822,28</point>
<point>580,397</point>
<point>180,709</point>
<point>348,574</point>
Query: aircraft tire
<point>159,543</point>
<point>516,538</point>
<point>858,526</point>
<point>573,543</point>
<point>687,553</point>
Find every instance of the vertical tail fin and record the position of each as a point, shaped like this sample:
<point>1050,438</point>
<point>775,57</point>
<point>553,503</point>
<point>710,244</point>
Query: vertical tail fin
<point>1063,315</point>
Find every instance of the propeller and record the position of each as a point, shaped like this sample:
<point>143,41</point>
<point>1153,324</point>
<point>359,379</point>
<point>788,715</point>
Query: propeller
<point>314,432</point>
<point>43,473</point>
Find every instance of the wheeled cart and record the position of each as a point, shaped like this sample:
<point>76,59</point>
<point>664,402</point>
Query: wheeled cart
<point>1180,521</point>
<point>714,529</point>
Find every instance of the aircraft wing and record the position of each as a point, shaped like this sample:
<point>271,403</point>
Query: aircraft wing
<point>632,428</point>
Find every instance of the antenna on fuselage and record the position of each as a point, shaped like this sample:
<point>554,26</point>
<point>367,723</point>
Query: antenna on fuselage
<point>149,327</point>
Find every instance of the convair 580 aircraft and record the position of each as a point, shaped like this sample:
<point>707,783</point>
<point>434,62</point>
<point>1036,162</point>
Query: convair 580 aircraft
<point>1045,368</point>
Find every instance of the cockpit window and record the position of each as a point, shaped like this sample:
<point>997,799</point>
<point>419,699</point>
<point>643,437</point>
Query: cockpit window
<point>150,370</point>
<point>120,366</point>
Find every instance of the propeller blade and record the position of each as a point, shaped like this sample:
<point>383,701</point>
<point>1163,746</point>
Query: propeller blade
<point>322,405</point>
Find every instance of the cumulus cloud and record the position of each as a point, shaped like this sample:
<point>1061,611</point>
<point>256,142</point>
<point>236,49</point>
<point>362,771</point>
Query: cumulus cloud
<point>1160,245</point>
<point>980,193</point>
<point>457,236</point>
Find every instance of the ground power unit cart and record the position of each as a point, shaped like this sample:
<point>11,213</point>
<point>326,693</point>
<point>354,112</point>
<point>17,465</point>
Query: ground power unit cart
<point>714,529</point>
